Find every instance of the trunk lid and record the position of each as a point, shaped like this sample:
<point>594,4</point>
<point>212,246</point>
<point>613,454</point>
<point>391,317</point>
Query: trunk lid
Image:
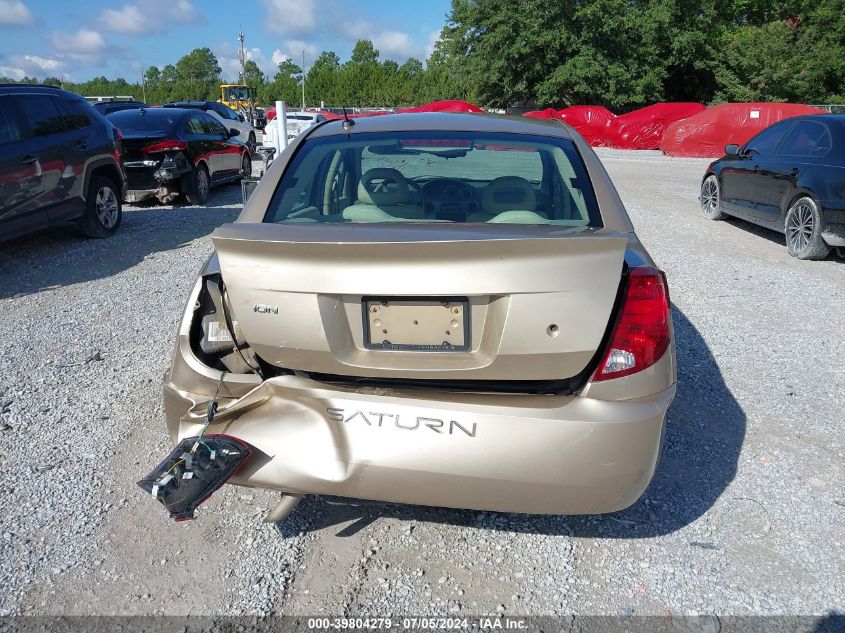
<point>538,301</point>
<point>134,140</point>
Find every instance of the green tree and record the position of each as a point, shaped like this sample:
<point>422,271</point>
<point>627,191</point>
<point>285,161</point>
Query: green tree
<point>284,87</point>
<point>322,80</point>
<point>253,75</point>
<point>364,53</point>
<point>198,75</point>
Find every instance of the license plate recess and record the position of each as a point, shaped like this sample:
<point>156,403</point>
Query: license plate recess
<point>416,324</point>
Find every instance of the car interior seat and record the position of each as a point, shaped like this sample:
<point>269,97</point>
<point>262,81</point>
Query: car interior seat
<point>503,194</point>
<point>383,195</point>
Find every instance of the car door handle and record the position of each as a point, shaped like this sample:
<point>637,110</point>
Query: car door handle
<point>80,145</point>
<point>29,159</point>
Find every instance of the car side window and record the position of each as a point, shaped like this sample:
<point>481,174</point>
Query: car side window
<point>213,126</point>
<point>767,141</point>
<point>194,126</point>
<point>807,138</point>
<point>227,113</point>
<point>10,130</point>
<point>42,114</point>
<point>76,114</point>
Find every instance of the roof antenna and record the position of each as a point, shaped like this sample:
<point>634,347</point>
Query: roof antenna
<point>347,122</point>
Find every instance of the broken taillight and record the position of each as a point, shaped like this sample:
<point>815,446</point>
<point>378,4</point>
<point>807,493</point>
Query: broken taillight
<point>118,145</point>
<point>193,471</point>
<point>167,145</point>
<point>642,331</point>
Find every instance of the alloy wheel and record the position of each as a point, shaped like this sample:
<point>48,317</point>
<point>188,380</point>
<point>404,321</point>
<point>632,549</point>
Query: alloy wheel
<point>710,197</point>
<point>202,183</point>
<point>107,207</point>
<point>800,226</point>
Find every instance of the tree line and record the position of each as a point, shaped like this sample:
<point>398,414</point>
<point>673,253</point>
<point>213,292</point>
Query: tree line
<point>537,53</point>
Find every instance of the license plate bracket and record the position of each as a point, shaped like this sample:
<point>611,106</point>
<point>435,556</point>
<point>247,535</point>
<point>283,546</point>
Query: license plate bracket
<point>416,324</point>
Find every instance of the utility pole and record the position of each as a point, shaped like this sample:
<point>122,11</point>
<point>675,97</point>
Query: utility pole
<point>303,80</point>
<point>144,83</point>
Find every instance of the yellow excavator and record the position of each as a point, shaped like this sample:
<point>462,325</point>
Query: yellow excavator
<point>241,98</point>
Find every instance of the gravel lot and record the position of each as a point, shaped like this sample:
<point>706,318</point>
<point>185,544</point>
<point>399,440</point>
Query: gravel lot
<point>744,516</point>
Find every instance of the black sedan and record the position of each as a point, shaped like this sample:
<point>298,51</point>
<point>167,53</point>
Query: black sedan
<point>168,152</point>
<point>790,178</point>
<point>108,107</point>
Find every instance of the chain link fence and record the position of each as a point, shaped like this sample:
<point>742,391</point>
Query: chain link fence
<point>833,108</point>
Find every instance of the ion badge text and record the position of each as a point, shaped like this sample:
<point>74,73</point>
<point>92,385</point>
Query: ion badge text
<point>265,309</point>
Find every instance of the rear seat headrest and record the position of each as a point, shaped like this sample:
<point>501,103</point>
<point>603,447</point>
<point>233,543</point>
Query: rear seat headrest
<point>383,186</point>
<point>508,193</point>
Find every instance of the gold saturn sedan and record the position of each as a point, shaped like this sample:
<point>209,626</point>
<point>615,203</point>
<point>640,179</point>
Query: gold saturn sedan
<point>431,308</point>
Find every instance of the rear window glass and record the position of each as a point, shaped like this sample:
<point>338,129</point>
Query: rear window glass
<point>436,177</point>
<point>145,119</point>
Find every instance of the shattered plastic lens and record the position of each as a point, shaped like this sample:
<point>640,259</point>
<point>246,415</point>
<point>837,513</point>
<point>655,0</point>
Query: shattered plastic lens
<point>193,471</point>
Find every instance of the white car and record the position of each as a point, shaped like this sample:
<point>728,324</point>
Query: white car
<point>298,122</point>
<point>225,115</point>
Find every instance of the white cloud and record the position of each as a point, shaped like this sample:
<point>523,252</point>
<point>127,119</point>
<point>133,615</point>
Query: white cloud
<point>149,16</point>
<point>292,49</point>
<point>395,44</point>
<point>18,66</point>
<point>433,38</point>
<point>227,56</point>
<point>14,73</point>
<point>290,16</point>
<point>14,13</point>
<point>83,42</point>
<point>391,44</point>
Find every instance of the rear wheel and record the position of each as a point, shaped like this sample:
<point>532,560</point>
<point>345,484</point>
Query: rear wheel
<point>103,211</point>
<point>246,166</point>
<point>198,191</point>
<point>710,202</point>
<point>803,228</point>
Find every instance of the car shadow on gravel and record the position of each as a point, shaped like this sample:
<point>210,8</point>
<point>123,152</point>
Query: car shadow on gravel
<point>61,257</point>
<point>704,436</point>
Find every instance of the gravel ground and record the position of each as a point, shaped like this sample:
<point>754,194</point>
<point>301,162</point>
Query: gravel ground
<point>743,517</point>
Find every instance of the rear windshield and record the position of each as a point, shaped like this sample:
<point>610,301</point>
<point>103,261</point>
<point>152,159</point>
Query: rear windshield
<point>145,119</point>
<point>436,177</point>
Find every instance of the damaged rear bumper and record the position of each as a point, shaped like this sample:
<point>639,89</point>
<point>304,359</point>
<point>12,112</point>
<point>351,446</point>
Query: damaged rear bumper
<point>534,454</point>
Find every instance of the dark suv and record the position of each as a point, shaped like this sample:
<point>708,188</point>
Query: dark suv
<point>60,161</point>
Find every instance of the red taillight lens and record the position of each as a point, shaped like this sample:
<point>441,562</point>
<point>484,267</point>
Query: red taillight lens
<point>167,145</point>
<point>118,145</point>
<point>642,331</point>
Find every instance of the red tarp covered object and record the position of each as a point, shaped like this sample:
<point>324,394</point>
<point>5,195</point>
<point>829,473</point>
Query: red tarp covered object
<point>706,134</point>
<point>548,113</point>
<point>591,121</point>
<point>643,128</point>
<point>448,105</point>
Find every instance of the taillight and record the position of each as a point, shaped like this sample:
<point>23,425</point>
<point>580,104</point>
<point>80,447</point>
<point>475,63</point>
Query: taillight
<point>118,144</point>
<point>167,145</point>
<point>642,332</point>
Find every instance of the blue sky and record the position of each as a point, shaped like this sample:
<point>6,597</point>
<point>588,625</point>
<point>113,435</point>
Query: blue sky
<point>79,39</point>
